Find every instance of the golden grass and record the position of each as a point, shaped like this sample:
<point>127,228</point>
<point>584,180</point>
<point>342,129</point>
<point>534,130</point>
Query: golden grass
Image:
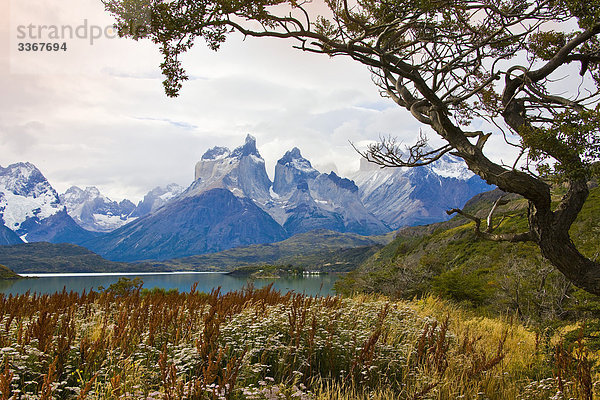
<point>261,344</point>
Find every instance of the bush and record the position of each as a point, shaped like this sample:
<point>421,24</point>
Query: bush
<point>463,287</point>
<point>124,286</point>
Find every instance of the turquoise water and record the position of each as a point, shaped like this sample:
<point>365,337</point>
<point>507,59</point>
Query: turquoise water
<point>51,283</point>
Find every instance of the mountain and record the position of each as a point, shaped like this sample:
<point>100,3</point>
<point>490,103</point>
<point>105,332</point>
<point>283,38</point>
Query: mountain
<point>300,199</point>
<point>291,170</point>
<point>211,221</point>
<point>241,171</point>
<point>156,198</point>
<point>8,237</point>
<point>7,274</point>
<point>231,203</point>
<point>414,196</point>
<point>303,199</point>
<point>94,211</point>
<point>25,194</point>
<point>31,208</point>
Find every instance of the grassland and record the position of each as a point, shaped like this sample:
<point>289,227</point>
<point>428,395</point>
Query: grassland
<point>125,343</point>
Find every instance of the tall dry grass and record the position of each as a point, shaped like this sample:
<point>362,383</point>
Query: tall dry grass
<point>262,344</point>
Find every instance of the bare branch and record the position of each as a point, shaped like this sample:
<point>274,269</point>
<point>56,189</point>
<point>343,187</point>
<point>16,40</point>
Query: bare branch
<point>490,226</point>
<point>388,153</point>
<point>504,237</point>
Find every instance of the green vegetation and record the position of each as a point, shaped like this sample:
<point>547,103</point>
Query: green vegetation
<point>321,250</point>
<point>48,257</point>
<point>485,320</point>
<point>7,273</point>
<point>317,250</point>
<point>266,271</point>
<point>441,62</point>
<point>447,259</point>
<point>123,343</point>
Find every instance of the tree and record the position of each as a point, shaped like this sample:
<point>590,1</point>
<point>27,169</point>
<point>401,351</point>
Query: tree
<point>448,62</point>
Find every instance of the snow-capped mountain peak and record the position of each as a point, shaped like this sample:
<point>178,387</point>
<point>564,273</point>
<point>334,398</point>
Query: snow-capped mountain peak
<point>24,179</point>
<point>452,167</point>
<point>294,159</point>
<point>241,171</point>
<point>25,194</point>
<point>216,153</point>
<point>247,149</point>
<point>156,198</point>
<point>410,196</point>
<point>94,211</point>
<point>291,170</point>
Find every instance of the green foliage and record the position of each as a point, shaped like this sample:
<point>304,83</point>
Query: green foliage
<point>588,307</point>
<point>546,44</point>
<point>124,286</point>
<point>267,270</point>
<point>587,12</point>
<point>573,139</point>
<point>49,257</point>
<point>321,250</point>
<point>495,278</point>
<point>7,273</point>
<point>463,287</point>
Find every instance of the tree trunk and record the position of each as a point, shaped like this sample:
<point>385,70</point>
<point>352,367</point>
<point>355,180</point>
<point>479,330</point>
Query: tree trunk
<point>550,229</point>
<point>557,247</point>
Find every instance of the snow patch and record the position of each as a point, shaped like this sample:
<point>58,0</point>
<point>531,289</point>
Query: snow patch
<point>108,222</point>
<point>17,209</point>
<point>451,169</point>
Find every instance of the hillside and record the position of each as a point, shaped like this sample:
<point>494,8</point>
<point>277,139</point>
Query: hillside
<point>319,249</point>
<point>8,237</point>
<point>7,273</point>
<point>449,260</point>
<point>42,257</point>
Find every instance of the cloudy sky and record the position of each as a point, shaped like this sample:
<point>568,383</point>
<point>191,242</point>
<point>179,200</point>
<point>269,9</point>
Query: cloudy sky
<point>96,114</point>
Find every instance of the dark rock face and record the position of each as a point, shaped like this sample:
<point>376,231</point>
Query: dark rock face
<point>231,203</point>
<point>241,171</point>
<point>291,170</point>
<point>215,153</point>
<point>213,221</point>
<point>8,237</point>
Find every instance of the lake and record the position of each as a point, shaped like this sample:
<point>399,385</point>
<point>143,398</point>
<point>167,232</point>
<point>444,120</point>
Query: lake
<point>51,283</point>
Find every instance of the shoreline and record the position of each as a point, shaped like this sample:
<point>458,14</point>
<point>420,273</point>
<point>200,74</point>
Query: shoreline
<point>91,274</point>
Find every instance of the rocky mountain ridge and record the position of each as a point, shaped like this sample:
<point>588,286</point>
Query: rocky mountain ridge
<point>417,196</point>
<point>232,202</point>
<point>95,212</point>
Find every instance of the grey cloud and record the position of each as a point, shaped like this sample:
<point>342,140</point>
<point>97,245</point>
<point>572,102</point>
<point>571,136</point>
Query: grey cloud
<point>21,139</point>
